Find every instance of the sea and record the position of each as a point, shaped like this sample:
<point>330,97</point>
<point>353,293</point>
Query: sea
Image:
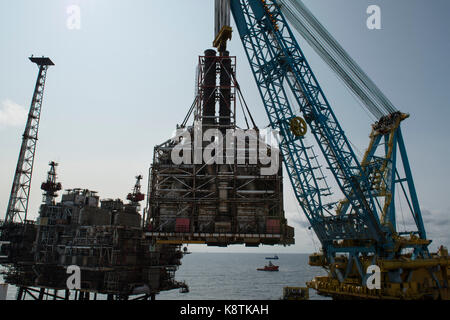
<point>234,276</point>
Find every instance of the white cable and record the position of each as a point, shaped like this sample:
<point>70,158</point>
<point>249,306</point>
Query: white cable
<point>337,58</point>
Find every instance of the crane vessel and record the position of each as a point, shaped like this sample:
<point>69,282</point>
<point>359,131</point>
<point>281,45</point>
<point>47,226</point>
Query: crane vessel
<point>363,251</point>
<point>360,232</point>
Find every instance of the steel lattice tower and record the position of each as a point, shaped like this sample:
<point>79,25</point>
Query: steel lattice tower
<point>20,191</point>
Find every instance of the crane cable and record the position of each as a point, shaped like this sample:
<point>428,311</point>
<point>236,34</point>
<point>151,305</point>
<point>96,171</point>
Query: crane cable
<point>336,57</point>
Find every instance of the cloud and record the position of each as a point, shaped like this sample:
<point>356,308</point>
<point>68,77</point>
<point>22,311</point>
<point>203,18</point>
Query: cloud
<point>12,114</point>
<point>436,225</point>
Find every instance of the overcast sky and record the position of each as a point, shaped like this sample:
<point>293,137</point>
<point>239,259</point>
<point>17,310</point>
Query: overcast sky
<point>125,79</point>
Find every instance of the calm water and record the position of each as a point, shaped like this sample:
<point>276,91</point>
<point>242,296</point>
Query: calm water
<point>233,276</point>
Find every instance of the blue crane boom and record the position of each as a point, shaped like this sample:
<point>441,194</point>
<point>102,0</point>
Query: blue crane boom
<point>363,225</point>
<point>278,65</point>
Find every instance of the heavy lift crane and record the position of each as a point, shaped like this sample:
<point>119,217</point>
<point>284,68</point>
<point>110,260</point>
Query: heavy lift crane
<point>357,232</point>
<point>361,230</point>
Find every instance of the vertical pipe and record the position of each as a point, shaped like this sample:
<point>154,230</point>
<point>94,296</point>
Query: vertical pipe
<point>224,124</point>
<point>225,92</point>
<point>41,294</point>
<point>209,88</point>
<point>20,293</point>
<point>209,102</point>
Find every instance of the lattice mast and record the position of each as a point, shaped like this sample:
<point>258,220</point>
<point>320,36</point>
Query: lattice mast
<point>136,196</point>
<point>51,186</point>
<point>20,191</point>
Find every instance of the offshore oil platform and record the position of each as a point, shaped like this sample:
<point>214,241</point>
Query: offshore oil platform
<point>218,203</point>
<point>121,253</point>
<point>124,254</point>
<point>103,238</point>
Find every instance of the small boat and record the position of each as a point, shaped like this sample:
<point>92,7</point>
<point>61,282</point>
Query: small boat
<point>269,267</point>
<point>275,257</point>
<point>184,289</point>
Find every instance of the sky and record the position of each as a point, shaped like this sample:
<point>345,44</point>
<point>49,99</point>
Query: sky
<point>126,77</point>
